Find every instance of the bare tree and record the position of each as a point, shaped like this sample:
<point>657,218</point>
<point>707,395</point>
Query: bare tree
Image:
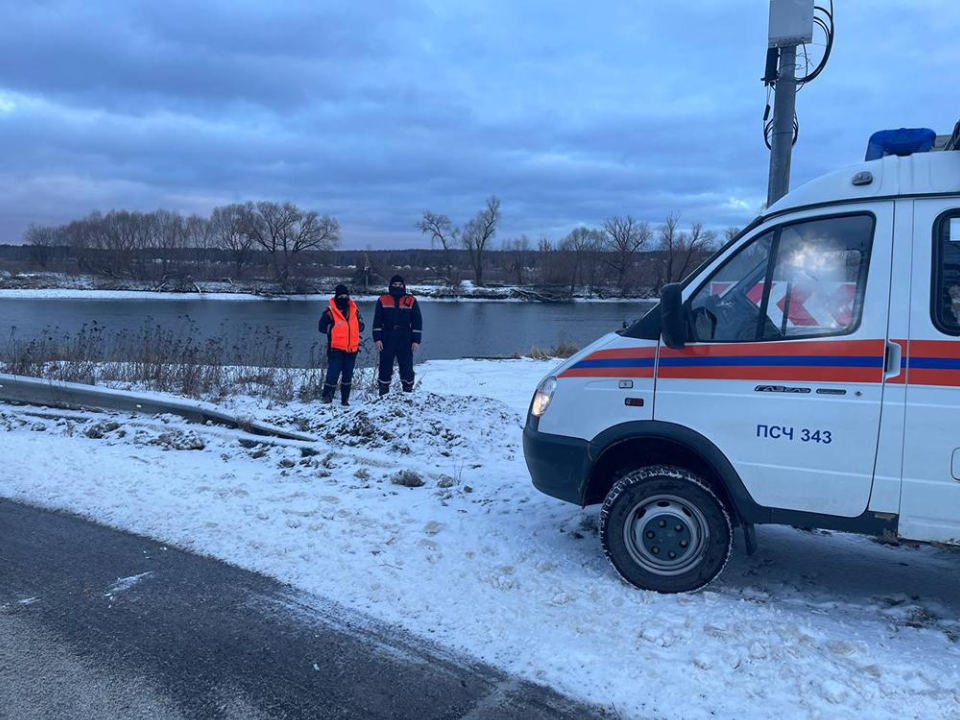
<point>668,246</point>
<point>444,233</point>
<point>41,238</point>
<point>312,232</point>
<point>198,236</point>
<point>284,231</point>
<point>84,238</point>
<point>694,244</point>
<point>166,238</point>
<point>681,249</point>
<point>518,250</point>
<point>119,236</point>
<point>623,238</point>
<point>582,244</point>
<point>478,232</point>
<point>230,233</point>
<point>268,226</point>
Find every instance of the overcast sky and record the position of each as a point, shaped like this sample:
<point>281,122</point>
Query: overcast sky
<point>374,111</point>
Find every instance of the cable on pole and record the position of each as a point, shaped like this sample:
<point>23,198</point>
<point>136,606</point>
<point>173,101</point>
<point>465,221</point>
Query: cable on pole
<point>822,18</point>
<point>825,22</point>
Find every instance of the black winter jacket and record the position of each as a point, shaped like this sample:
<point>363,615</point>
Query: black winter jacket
<point>397,320</point>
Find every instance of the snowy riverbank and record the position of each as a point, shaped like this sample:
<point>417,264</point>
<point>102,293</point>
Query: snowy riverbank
<point>222,291</point>
<point>239,296</point>
<point>814,625</point>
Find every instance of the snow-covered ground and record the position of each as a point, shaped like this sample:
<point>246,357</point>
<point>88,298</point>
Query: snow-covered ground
<point>814,625</point>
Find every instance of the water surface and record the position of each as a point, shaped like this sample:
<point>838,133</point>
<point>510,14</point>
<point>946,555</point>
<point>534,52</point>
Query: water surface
<point>451,329</point>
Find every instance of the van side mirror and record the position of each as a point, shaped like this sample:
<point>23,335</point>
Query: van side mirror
<point>672,319</point>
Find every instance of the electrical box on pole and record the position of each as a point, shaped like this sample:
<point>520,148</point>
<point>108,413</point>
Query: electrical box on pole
<point>791,22</point>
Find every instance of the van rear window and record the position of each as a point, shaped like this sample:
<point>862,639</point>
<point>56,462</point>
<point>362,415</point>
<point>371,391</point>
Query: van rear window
<point>945,303</point>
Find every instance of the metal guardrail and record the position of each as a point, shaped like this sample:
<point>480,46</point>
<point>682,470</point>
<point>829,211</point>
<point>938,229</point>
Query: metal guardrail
<point>74,396</point>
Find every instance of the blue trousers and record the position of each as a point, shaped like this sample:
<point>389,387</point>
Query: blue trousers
<point>340,366</point>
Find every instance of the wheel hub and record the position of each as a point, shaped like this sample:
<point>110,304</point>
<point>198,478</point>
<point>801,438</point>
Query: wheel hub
<point>666,535</point>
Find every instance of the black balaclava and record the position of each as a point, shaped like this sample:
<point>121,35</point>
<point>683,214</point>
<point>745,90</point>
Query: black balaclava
<point>398,291</point>
<point>341,296</point>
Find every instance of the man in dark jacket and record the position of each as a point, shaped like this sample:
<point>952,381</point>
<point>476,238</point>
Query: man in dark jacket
<point>342,324</point>
<point>397,332</point>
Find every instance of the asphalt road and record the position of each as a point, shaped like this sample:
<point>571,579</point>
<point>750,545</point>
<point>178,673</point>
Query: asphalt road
<point>97,623</point>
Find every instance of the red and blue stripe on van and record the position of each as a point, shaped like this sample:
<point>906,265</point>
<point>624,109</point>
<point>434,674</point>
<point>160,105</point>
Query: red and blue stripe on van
<point>932,362</point>
<point>801,361</point>
<point>621,363</point>
<point>928,362</point>
<point>816,361</point>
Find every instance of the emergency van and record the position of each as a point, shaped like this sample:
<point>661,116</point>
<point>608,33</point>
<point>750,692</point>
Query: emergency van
<point>807,374</point>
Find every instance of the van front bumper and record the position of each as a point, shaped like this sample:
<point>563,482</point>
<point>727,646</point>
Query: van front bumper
<point>558,465</point>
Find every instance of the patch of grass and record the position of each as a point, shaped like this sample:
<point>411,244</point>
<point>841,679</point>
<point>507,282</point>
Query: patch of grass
<point>563,350</point>
<point>180,361</point>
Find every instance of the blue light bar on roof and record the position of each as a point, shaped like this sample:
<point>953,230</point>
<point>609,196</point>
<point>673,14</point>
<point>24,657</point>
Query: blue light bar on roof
<point>902,142</point>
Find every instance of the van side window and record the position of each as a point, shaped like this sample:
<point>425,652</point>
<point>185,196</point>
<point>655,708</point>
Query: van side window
<point>946,268</point>
<point>819,277</point>
<point>727,308</point>
<point>805,279</point>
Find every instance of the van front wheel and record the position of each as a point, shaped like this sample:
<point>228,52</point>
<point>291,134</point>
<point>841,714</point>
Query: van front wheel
<point>664,529</point>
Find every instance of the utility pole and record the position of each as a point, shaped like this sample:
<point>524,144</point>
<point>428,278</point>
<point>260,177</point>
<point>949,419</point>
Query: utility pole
<point>791,24</point>
<point>781,137</point>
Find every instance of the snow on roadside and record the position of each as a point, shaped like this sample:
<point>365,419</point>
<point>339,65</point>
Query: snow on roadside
<point>121,585</point>
<point>487,379</point>
<point>814,625</point>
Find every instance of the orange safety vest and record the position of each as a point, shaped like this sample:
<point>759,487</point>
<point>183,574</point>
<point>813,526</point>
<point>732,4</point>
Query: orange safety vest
<point>345,333</point>
<point>406,302</point>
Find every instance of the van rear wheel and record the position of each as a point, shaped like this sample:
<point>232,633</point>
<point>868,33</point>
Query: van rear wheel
<point>664,529</point>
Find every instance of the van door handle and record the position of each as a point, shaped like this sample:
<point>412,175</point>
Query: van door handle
<point>892,360</point>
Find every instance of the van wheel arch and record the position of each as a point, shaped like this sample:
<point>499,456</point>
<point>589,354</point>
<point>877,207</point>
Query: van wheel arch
<point>623,448</point>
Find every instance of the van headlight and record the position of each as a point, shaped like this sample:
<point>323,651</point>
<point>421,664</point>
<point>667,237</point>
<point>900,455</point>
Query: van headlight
<point>543,396</point>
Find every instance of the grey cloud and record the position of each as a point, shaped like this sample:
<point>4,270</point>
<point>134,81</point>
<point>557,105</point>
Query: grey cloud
<point>570,112</point>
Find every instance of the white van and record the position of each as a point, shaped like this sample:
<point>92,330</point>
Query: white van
<point>807,374</point>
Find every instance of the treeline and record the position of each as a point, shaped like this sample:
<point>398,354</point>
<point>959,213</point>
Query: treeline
<point>283,244</point>
<point>622,253</point>
<point>152,246</point>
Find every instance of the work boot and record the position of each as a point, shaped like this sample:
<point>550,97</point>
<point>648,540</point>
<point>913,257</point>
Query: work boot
<point>383,388</point>
<point>327,396</point>
<point>345,395</point>
<point>407,387</point>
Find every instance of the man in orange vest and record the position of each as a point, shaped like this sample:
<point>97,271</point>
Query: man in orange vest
<point>342,324</point>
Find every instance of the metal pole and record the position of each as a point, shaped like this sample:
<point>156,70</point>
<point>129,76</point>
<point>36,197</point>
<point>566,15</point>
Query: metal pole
<point>784,107</point>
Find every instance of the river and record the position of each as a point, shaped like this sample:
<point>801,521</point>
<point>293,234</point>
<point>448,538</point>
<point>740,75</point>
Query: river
<point>451,329</point>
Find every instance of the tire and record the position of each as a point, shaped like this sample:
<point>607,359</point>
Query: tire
<point>664,529</point>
